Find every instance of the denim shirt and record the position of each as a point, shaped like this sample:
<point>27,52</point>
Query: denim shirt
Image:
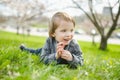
<point>49,50</point>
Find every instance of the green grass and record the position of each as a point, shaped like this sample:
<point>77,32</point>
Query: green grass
<point>17,65</point>
<point>41,25</point>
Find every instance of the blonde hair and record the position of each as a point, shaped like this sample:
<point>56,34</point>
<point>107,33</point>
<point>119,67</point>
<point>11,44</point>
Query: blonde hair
<point>54,23</point>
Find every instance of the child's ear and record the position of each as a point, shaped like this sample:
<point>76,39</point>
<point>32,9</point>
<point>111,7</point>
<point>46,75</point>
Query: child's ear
<point>53,35</point>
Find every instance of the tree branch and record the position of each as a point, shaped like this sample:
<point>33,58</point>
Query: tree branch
<point>95,22</point>
<point>114,25</point>
<point>111,13</point>
<point>82,10</point>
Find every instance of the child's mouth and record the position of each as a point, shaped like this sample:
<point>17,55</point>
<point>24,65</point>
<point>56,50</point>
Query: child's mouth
<point>66,40</point>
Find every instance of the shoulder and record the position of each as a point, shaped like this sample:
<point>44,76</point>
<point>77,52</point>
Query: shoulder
<point>50,41</point>
<point>73,42</point>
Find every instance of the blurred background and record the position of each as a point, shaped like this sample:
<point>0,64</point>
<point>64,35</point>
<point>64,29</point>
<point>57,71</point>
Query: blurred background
<point>96,20</point>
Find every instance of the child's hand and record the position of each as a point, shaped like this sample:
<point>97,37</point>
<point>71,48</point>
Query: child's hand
<point>60,48</point>
<point>66,55</point>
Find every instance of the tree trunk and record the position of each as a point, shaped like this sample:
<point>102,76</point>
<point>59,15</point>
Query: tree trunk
<point>28,32</point>
<point>17,30</point>
<point>23,30</point>
<point>103,43</point>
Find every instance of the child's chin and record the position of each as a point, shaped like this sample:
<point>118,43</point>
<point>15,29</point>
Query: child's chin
<point>66,42</point>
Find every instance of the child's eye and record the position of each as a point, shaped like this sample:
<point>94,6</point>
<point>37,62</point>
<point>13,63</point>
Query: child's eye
<point>63,30</point>
<point>72,30</point>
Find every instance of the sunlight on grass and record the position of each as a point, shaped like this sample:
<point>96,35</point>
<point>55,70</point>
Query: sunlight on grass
<point>17,65</point>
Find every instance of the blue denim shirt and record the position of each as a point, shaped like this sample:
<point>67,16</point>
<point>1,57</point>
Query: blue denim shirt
<point>49,51</point>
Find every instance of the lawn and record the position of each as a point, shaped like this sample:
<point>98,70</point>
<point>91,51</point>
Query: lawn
<point>17,65</point>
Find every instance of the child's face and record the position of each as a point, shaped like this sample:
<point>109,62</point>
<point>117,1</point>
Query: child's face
<point>65,31</point>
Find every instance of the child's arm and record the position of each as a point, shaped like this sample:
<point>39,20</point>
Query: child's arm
<point>60,48</point>
<point>77,56</point>
<point>74,56</point>
<point>66,55</point>
<point>72,59</point>
<point>47,54</point>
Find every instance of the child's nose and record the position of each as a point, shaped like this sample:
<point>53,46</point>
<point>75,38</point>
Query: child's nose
<point>68,34</point>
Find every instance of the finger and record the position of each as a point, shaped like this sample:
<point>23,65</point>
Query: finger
<point>57,55</point>
<point>61,44</point>
<point>63,56</point>
<point>60,53</point>
<point>64,43</point>
<point>60,49</point>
